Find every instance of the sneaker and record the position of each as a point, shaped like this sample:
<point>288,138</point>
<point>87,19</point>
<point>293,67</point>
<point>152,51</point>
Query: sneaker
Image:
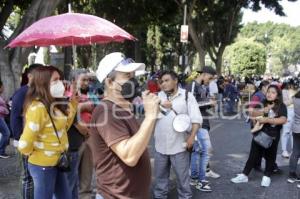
<point>193,182</point>
<point>240,178</point>
<point>4,156</point>
<point>204,186</point>
<point>266,181</point>
<point>212,174</point>
<point>293,178</point>
<point>285,154</point>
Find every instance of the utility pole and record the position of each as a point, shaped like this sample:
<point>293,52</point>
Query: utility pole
<point>184,34</point>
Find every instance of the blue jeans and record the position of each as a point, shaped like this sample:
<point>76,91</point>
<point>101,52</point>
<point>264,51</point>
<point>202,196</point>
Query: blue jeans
<point>49,182</point>
<point>200,156</point>
<point>72,175</point>
<point>4,130</point>
<point>27,181</point>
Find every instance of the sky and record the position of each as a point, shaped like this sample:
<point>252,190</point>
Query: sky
<point>291,9</point>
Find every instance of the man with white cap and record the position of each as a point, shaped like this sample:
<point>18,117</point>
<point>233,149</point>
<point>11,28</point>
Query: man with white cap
<point>118,142</point>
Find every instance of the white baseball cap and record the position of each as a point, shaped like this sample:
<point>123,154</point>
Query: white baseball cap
<point>117,61</point>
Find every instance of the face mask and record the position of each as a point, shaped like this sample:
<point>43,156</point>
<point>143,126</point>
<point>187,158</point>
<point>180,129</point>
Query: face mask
<point>57,89</point>
<point>131,89</point>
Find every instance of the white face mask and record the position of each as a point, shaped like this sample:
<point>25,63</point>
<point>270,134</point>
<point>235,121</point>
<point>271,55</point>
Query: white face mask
<point>57,89</point>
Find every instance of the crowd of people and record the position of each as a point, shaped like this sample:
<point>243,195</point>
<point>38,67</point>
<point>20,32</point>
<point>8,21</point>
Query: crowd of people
<point>100,125</point>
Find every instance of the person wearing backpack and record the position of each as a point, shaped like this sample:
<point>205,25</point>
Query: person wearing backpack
<point>172,147</point>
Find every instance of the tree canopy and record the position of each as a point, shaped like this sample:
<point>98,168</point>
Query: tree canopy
<point>247,57</point>
<point>213,25</point>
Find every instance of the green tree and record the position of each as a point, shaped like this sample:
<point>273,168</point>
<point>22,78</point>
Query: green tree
<point>138,18</point>
<point>13,60</point>
<point>282,42</point>
<point>214,24</point>
<point>247,57</point>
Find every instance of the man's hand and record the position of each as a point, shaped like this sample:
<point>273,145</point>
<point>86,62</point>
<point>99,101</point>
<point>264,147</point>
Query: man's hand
<point>151,105</point>
<point>213,102</point>
<point>190,142</point>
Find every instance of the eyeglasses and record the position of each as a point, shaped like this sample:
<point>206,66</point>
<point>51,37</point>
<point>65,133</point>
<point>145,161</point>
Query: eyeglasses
<point>126,61</point>
<point>123,62</point>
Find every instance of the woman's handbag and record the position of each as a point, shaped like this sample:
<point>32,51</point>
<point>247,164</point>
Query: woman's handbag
<point>263,139</point>
<point>63,163</point>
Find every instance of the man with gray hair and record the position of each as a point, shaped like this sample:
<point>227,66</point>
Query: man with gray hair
<point>118,142</point>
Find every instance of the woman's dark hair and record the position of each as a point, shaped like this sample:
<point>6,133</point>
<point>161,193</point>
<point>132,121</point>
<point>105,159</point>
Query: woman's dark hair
<point>1,83</point>
<point>278,101</point>
<point>40,88</point>
<point>28,70</point>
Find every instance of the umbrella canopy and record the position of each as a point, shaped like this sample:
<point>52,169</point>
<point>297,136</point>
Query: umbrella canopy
<point>70,29</point>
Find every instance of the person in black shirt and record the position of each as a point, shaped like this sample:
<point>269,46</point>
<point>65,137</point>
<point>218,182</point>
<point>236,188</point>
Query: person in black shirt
<point>270,121</point>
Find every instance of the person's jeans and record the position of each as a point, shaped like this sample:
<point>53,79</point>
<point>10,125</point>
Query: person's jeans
<point>27,181</point>
<point>287,130</point>
<point>295,154</point>
<point>200,156</point>
<point>49,182</point>
<point>4,130</point>
<point>72,175</point>
<point>162,165</point>
<point>229,106</point>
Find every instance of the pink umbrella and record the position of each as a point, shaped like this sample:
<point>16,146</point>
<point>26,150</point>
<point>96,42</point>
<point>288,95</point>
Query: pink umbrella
<point>70,29</point>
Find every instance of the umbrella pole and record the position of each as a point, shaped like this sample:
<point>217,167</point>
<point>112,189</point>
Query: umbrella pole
<point>74,56</point>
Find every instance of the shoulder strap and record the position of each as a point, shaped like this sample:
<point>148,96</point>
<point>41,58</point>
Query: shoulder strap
<point>186,98</point>
<point>55,129</point>
<point>186,95</point>
<point>193,87</point>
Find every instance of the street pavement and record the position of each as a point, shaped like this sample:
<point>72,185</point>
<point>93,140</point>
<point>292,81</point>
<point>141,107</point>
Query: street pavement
<point>231,142</point>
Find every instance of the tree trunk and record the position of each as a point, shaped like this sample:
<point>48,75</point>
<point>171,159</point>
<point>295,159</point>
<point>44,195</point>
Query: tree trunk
<point>201,54</point>
<point>218,60</point>
<point>197,44</point>
<point>219,64</point>
<point>13,60</point>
